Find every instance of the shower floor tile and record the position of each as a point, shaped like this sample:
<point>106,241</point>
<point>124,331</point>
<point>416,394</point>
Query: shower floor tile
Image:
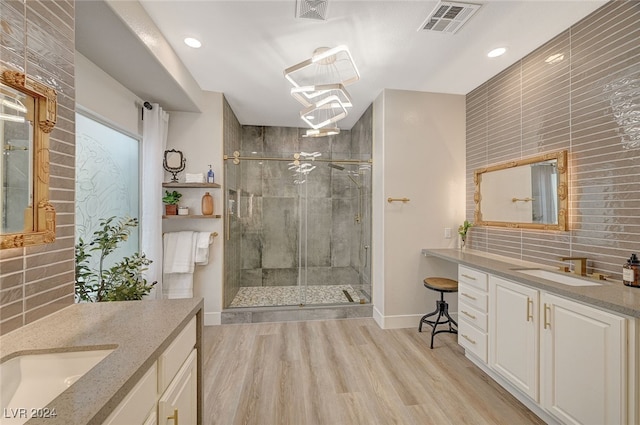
<point>258,296</point>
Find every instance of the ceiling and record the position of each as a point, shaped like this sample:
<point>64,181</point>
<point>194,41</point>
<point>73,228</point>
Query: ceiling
<point>248,44</point>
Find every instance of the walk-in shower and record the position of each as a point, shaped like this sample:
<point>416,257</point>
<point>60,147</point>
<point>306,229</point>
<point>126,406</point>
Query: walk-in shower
<point>298,228</point>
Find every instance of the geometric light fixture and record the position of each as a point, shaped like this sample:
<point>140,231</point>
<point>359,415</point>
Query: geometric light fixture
<point>326,66</point>
<point>319,85</point>
<point>307,94</point>
<point>326,111</point>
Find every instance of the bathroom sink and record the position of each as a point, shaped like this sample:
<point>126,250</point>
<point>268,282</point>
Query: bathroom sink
<point>32,381</point>
<point>565,279</point>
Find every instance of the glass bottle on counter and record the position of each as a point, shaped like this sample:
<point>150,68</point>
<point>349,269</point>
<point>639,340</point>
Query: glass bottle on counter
<point>631,272</point>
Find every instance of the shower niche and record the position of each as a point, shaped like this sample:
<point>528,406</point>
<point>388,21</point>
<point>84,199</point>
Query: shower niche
<point>298,222</point>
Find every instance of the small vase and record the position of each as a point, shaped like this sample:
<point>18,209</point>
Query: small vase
<point>463,243</point>
<point>207,204</point>
<point>170,209</point>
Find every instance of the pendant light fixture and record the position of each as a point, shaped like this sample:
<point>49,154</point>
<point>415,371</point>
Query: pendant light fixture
<point>319,85</point>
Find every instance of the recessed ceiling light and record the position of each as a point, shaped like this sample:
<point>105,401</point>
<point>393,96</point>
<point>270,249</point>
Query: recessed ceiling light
<point>497,52</point>
<point>192,42</point>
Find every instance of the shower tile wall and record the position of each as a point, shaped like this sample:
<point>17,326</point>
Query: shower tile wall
<point>231,141</point>
<point>575,103</point>
<point>37,37</point>
<point>267,217</point>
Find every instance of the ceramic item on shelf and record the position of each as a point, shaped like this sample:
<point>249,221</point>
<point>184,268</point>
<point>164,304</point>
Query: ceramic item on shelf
<point>183,210</point>
<point>207,204</point>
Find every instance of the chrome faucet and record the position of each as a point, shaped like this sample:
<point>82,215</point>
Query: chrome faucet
<point>579,265</point>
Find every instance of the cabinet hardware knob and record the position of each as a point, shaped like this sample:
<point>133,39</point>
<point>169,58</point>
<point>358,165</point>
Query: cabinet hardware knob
<point>468,277</point>
<point>468,315</point>
<point>529,309</point>
<point>468,296</point>
<point>174,417</point>
<point>547,308</point>
<point>468,339</point>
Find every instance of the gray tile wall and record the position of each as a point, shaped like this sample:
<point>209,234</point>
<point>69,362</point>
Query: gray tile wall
<point>37,37</point>
<point>231,141</point>
<point>265,244</point>
<point>588,103</point>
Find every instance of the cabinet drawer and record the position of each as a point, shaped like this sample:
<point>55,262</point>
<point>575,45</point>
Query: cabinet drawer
<point>473,340</point>
<point>472,297</point>
<point>138,403</point>
<point>174,356</point>
<point>472,316</point>
<point>472,277</point>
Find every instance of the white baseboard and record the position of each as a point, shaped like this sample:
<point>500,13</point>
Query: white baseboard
<point>212,319</point>
<point>401,321</point>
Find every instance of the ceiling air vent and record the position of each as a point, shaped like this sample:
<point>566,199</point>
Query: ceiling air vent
<point>448,17</point>
<point>312,9</point>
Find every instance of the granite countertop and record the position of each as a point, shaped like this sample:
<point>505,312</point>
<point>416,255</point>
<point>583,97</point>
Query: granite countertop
<point>611,295</point>
<point>139,331</point>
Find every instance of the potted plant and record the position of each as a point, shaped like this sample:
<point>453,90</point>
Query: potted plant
<point>462,231</point>
<point>171,200</point>
<point>124,280</point>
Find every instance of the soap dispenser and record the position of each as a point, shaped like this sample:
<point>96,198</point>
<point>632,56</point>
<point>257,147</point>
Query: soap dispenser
<point>210,175</point>
<point>631,272</point>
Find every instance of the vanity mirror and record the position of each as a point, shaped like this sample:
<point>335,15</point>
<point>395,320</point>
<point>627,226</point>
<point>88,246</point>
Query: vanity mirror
<point>529,193</point>
<point>174,162</point>
<point>28,111</point>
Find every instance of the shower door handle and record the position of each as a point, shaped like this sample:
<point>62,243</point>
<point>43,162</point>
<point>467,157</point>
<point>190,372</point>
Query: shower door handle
<point>403,200</point>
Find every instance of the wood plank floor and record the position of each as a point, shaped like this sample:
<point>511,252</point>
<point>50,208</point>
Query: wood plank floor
<point>346,372</point>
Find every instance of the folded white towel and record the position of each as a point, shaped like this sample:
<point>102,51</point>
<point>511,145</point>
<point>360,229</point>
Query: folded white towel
<point>179,251</point>
<point>194,178</point>
<point>177,285</point>
<point>203,240</point>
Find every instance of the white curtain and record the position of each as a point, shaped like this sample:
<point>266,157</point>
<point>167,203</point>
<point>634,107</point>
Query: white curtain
<point>155,124</point>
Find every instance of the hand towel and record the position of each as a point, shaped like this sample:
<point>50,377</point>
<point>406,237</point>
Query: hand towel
<point>179,250</point>
<point>203,240</point>
<point>177,285</point>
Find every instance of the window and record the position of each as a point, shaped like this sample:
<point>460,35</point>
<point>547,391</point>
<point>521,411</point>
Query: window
<point>107,180</point>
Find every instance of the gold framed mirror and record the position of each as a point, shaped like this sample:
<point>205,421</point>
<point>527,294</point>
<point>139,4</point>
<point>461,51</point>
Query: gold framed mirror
<point>33,107</point>
<point>529,193</point>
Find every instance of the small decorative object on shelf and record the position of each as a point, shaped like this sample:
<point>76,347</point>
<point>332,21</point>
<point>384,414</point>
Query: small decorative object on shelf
<point>207,204</point>
<point>183,210</point>
<point>462,231</point>
<point>174,162</point>
<point>171,200</point>
<point>210,175</point>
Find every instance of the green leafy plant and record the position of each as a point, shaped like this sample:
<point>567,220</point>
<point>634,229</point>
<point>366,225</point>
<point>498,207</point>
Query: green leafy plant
<point>463,229</point>
<point>171,198</point>
<point>121,282</point>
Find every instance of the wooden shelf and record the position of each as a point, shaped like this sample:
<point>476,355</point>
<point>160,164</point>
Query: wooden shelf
<point>186,185</point>
<point>191,216</point>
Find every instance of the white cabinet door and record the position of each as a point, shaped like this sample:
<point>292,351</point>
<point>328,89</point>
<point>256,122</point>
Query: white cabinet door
<point>135,407</point>
<point>152,419</point>
<point>583,363</point>
<point>513,334</point>
<point>181,396</point>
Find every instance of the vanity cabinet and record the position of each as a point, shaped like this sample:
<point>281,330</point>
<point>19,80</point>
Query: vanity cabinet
<point>472,307</point>
<point>568,357</point>
<point>583,362</point>
<point>513,334</point>
<point>167,393</point>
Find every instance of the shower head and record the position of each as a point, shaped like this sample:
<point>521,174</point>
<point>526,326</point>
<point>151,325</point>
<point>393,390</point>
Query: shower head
<point>336,166</point>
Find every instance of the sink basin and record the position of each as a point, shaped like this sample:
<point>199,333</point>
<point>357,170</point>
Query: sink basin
<point>32,381</point>
<point>565,279</point>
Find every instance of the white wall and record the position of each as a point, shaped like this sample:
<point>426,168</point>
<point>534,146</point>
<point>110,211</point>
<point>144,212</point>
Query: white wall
<point>199,137</point>
<point>418,153</point>
<point>99,93</point>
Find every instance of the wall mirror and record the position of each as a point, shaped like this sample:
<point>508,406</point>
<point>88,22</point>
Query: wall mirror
<point>528,193</point>
<point>28,111</point>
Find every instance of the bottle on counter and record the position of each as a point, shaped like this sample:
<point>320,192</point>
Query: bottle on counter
<point>631,272</point>
<point>210,175</point>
